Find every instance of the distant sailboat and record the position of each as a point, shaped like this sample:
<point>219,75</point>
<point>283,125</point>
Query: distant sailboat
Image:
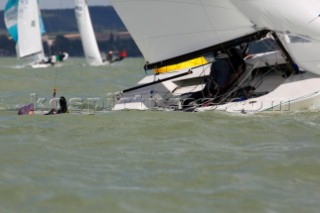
<point>171,32</point>
<point>24,24</point>
<point>88,39</point>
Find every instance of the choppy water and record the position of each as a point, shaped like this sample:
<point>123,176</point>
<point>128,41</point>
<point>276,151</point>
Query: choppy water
<point>149,162</point>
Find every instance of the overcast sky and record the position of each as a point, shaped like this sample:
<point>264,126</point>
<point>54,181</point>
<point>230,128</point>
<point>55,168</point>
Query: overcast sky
<point>50,4</point>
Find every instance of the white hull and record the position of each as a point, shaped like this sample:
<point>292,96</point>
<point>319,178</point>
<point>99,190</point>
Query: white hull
<point>299,92</point>
<point>273,81</point>
<point>277,93</point>
<point>40,66</point>
<point>161,94</point>
<point>45,65</point>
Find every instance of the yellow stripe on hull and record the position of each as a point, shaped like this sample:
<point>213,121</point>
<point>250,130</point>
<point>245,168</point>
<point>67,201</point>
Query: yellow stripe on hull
<point>183,65</point>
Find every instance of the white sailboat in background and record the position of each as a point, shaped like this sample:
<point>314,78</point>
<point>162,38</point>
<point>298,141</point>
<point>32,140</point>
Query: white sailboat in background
<point>171,32</point>
<point>88,39</point>
<point>24,24</point>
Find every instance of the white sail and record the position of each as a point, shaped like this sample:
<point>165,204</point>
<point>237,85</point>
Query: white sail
<point>290,18</point>
<point>167,31</point>
<point>171,28</point>
<point>30,41</point>
<point>24,24</point>
<point>304,51</point>
<point>89,43</point>
<point>295,16</point>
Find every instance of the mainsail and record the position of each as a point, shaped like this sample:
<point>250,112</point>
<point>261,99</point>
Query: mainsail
<point>89,43</point>
<point>23,23</point>
<point>173,28</point>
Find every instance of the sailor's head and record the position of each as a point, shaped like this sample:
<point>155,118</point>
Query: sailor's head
<point>63,102</point>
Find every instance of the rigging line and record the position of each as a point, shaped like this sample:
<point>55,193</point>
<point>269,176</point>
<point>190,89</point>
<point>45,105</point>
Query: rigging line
<point>54,90</point>
<point>232,90</point>
<point>314,19</point>
<point>55,79</point>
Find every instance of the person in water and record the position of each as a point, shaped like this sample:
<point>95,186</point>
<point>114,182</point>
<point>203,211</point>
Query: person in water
<point>114,56</point>
<point>109,57</point>
<point>63,107</point>
<point>26,110</point>
<point>62,56</point>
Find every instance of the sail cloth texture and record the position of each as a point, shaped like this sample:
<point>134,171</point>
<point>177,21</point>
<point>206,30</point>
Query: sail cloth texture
<point>171,28</point>
<point>295,16</point>
<point>296,22</point>
<point>29,28</point>
<point>23,23</point>
<point>88,38</point>
<point>304,51</point>
<point>11,18</point>
<point>168,29</point>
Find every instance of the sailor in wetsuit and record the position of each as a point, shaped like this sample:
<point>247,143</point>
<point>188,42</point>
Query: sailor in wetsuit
<point>63,107</point>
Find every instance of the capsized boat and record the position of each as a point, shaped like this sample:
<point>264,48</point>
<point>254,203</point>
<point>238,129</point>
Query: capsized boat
<point>114,56</point>
<point>233,78</point>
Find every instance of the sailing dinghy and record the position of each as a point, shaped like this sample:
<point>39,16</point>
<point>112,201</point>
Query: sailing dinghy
<point>88,39</point>
<point>24,23</point>
<point>283,78</point>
